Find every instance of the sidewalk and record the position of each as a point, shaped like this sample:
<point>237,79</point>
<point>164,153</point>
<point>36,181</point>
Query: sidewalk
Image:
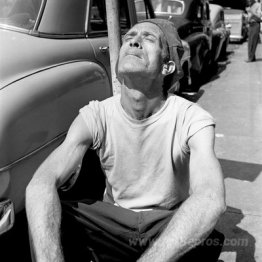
<point>234,98</point>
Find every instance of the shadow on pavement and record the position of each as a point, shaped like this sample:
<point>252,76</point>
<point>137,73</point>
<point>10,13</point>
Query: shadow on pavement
<point>216,70</point>
<point>240,170</point>
<point>237,240</point>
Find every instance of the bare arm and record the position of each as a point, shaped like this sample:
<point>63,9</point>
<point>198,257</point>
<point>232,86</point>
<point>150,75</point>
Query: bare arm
<point>42,202</point>
<point>198,215</point>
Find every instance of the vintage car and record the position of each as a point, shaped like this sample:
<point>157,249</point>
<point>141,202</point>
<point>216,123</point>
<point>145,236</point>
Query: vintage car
<point>54,59</point>
<point>192,20</point>
<point>236,20</point>
<point>221,34</point>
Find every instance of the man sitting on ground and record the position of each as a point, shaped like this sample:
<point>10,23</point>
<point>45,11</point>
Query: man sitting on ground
<point>164,186</point>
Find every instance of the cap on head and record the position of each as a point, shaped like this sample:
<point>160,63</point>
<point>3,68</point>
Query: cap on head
<point>175,47</point>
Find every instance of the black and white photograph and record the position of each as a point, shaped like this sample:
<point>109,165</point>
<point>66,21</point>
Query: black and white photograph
<point>130,130</point>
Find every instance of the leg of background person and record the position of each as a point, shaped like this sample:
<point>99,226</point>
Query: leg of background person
<point>253,41</point>
<point>256,38</point>
<point>251,36</point>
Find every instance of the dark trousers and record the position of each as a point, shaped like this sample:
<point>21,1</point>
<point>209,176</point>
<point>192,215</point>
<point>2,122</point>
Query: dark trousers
<point>98,231</point>
<point>253,39</point>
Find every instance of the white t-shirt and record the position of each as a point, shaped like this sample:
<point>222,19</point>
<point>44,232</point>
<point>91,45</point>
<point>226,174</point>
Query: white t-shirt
<point>146,162</point>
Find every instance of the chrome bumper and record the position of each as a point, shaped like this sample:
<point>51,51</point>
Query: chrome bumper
<point>7,215</point>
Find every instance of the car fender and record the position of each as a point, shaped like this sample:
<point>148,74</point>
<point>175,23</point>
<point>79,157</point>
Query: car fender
<point>199,47</point>
<point>35,114</point>
<point>218,39</point>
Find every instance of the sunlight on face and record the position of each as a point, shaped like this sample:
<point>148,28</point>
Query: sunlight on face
<point>142,51</point>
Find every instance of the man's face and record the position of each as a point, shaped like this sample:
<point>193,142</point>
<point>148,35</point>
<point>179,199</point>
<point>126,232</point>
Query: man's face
<point>141,52</point>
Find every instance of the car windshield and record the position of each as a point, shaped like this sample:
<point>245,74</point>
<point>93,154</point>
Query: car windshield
<point>19,13</point>
<point>175,7</point>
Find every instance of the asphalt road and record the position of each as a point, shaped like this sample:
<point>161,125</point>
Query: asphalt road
<point>234,97</point>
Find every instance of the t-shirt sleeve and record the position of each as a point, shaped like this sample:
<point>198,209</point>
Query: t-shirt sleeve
<point>195,118</point>
<point>91,114</point>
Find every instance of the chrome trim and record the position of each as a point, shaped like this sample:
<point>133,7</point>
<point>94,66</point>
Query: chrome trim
<point>39,15</point>
<point>7,215</point>
<point>7,167</point>
<point>87,18</point>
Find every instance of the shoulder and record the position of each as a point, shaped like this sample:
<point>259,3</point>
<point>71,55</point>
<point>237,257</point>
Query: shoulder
<point>178,103</point>
<point>190,119</point>
<point>99,108</point>
<point>186,108</point>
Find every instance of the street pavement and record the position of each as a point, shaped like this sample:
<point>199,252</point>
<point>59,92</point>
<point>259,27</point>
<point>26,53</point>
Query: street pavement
<point>234,97</point>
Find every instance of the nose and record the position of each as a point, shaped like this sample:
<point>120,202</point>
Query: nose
<point>136,42</point>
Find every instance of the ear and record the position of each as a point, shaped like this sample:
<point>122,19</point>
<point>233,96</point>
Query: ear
<point>168,68</point>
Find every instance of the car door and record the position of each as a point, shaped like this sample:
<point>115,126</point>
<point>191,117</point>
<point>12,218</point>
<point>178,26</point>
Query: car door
<point>50,73</point>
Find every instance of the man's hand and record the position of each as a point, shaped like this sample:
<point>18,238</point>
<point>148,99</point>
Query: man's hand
<point>198,215</point>
<point>42,201</point>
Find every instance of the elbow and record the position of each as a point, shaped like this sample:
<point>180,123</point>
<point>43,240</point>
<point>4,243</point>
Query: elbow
<point>215,203</point>
<point>221,208</point>
<point>37,190</point>
<point>32,192</point>
<point>32,187</point>
<point>219,205</point>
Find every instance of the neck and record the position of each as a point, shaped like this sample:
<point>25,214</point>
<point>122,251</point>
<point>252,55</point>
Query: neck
<point>142,101</point>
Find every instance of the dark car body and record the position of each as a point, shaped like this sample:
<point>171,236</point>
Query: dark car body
<point>191,18</point>
<point>54,59</point>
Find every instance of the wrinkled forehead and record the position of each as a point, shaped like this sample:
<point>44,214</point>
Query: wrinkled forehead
<point>147,27</point>
<point>150,28</point>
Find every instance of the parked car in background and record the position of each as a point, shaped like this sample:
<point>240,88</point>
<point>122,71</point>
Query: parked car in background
<point>54,59</point>
<point>220,33</point>
<point>236,20</point>
<point>192,21</point>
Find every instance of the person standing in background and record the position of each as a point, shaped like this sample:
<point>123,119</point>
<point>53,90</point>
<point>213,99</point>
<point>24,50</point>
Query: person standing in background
<point>254,19</point>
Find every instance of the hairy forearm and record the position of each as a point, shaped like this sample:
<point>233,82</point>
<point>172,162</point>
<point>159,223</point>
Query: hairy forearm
<point>190,225</point>
<point>44,218</point>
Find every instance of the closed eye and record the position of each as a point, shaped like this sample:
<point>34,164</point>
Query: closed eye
<point>150,39</point>
<point>127,38</point>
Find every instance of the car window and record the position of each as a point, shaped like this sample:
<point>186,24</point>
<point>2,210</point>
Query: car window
<point>144,9</point>
<point>64,17</point>
<point>175,7</point>
<point>98,20</point>
<point>222,16</point>
<point>19,13</point>
<point>207,11</point>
